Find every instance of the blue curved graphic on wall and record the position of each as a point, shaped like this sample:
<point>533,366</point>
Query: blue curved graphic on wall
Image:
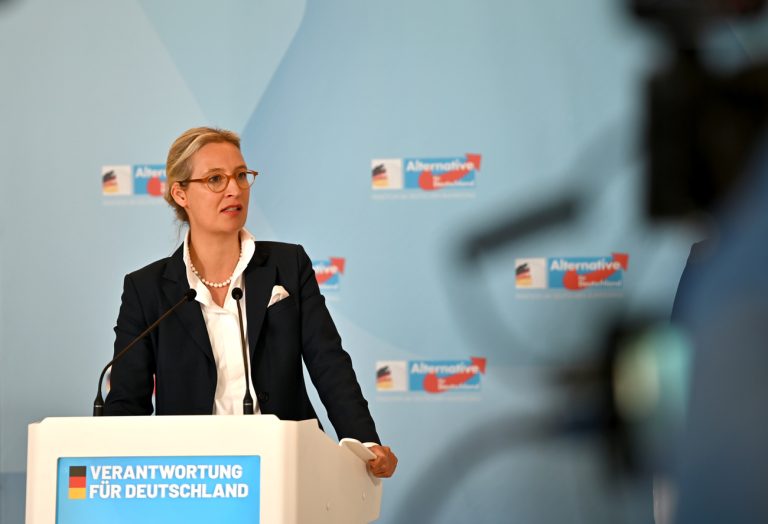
<point>226,51</point>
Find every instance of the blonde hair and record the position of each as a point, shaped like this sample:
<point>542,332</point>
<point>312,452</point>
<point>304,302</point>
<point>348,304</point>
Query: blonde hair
<point>178,166</point>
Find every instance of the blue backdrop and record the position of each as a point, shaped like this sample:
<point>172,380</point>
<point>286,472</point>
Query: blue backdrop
<point>544,97</point>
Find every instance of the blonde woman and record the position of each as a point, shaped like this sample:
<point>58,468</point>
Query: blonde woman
<point>193,361</point>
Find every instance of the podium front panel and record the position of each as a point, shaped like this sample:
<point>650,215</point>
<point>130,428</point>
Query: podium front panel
<point>158,490</point>
<point>239,469</point>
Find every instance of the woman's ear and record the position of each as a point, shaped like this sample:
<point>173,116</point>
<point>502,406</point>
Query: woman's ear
<point>178,194</point>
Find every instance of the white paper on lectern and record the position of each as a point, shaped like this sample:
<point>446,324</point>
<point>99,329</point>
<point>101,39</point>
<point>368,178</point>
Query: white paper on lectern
<point>358,448</point>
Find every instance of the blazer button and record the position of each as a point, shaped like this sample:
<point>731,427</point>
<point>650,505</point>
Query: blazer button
<point>263,396</point>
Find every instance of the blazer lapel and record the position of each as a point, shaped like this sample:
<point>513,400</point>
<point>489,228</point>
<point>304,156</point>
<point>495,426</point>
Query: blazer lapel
<point>259,279</point>
<point>174,286</point>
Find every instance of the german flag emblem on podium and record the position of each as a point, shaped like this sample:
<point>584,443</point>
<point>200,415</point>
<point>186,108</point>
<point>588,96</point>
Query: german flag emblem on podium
<point>77,482</point>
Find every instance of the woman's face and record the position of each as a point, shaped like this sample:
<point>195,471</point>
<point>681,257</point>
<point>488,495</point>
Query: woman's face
<point>209,212</point>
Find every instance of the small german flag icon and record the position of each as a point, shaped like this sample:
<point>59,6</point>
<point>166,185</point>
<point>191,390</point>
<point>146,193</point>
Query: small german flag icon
<point>77,482</point>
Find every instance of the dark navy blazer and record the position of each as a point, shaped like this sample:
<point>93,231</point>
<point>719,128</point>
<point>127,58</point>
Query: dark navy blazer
<point>179,355</point>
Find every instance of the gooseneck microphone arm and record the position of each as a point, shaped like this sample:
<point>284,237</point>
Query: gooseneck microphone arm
<point>237,294</point>
<point>98,404</point>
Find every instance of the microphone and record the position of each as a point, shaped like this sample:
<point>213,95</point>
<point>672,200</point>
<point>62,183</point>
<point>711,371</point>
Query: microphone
<point>98,404</point>
<point>237,294</point>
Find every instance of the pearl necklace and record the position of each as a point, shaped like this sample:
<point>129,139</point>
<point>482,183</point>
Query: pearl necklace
<point>214,284</point>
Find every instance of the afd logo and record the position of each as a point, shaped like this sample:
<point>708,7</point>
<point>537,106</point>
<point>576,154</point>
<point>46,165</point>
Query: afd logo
<point>426,174</point>
<point>149,179</point>
<point>328,272</point>
<point>430,376</point>
<point>571,273</point>
<point>580,273</point>
<point>431,174</point>
<point>138,179</point>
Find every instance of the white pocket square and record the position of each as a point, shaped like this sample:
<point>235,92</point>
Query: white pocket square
<point>278,294</point>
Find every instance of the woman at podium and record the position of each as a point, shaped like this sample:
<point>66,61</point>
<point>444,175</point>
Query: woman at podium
<point>195,360</point>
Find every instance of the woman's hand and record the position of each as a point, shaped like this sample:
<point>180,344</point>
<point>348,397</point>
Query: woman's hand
<point>384,464</point>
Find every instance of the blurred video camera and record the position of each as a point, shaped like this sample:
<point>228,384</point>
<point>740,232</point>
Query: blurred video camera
<point>703,125</point>
<point>694,11</point>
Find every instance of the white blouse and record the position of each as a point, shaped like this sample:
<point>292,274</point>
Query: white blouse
<point>224,333</point>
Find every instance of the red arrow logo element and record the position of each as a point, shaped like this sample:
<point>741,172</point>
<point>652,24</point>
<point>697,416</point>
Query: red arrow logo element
<point>335,265</point>
<point>155,186</point>
<point>575,282</point>
<point>430,182</point>
<point>338,263</point>
<point>435,384</point>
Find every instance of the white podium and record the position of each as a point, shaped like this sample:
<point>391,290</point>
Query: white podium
<point>254,469</point>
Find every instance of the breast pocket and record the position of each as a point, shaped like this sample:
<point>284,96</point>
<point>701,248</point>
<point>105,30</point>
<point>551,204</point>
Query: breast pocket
<point>282,335</point>
<point>283,317</point>
<point>286,304</point>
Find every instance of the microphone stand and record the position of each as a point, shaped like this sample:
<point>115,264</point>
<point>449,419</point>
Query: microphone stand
<point>237,294</point>
<point>98,404</point>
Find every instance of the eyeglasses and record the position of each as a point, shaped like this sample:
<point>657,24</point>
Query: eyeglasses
<point>218,182</point>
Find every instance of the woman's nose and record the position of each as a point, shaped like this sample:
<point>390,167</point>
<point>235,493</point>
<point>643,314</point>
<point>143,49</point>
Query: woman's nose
<point>232,187</point>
